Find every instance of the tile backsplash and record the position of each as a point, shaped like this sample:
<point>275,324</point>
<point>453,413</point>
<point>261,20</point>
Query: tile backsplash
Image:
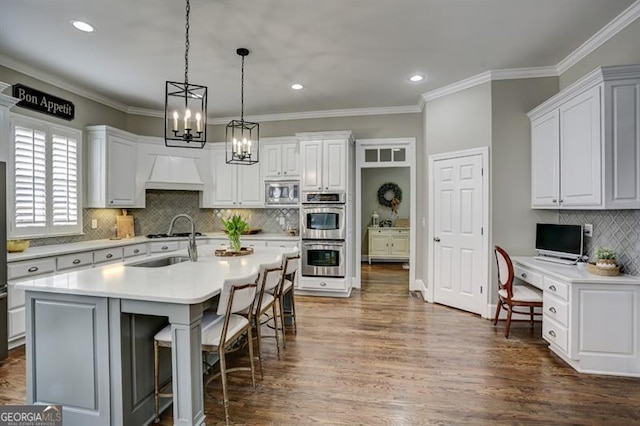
<point>615,229</point>
<point>161,207</point>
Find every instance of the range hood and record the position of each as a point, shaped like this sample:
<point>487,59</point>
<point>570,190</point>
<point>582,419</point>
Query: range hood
<point>175,173</point>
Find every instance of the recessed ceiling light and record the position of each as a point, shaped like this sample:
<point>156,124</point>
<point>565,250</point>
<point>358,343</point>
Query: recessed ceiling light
<point>416,77</point>
<point>297,86</point>
<point>83,26</point>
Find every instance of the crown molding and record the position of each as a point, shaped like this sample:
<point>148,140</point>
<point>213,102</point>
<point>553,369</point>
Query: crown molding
<point>521,73</point>
<point>146,112</point>
<point>467,83</point>
<point>60,83</point>
<point>618,23</point>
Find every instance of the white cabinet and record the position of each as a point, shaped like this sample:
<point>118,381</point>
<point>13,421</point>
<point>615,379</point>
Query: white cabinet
<point>388,243</point>
<point>235,185</point>
<point>324,165</point>
<point>585,143</point>
<point>111,171</point>
<point>280,158</point>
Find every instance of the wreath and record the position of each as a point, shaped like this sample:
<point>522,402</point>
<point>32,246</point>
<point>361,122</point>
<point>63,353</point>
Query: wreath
<point>390,195</point>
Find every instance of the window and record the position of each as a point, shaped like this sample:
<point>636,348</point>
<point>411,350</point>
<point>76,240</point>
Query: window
<point>44,179</point>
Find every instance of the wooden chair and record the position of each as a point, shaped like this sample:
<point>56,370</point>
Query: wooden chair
<point>289,270</point>
<point>221,333</point>
<point>512,297</point>
<point>265,304</point>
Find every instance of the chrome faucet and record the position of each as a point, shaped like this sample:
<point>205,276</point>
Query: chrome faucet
<point>192,250</point>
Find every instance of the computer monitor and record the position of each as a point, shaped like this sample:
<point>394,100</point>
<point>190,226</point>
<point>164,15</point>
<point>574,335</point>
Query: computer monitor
<point>564,241</point>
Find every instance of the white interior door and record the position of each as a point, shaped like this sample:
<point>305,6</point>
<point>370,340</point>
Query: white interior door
<point>458,240</point>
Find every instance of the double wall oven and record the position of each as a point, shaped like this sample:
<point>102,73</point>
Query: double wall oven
<point>323,232</point>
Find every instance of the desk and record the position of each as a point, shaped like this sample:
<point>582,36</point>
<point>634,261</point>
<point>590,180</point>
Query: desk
<point>591,322</point>
<point>89,340</point>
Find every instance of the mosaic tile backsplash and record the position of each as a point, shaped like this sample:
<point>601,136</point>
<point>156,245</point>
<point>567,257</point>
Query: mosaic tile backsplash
<point>162,206</point>
<point>616,229</point>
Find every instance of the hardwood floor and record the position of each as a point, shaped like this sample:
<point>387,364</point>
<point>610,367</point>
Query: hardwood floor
<point>385,357</point>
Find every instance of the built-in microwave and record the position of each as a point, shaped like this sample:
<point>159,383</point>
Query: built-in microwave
<point>281,192</point>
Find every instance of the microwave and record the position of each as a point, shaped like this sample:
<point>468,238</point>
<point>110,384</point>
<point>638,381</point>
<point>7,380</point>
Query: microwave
<point>281,192</point>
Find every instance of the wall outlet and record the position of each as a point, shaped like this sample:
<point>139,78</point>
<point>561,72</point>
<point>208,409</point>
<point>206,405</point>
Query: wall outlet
<point>94,223</point>
<point>588,230</point>
<point>281,220</point>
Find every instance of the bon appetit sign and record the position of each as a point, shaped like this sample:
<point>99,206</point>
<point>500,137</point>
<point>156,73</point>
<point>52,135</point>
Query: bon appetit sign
<point>43,102</point>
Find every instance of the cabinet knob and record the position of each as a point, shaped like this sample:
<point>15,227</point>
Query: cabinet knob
<point>278,173</point>
<point>553,288</point>
<point>323,284</point>
<point>111,202</point>
<point>523,275</point>
<point>554,201</point>
<point>76,261</point>
<point>552,333</point>
<point>285,173</point>
<point>436,239</point>
<point>33,269</point>
<point>164,248</point>
<point>109,256</point>
<point>552,310</point>
<point>136,251</point>
<point>561,201</point>
<point>326,187</point>
<point>320,188</point>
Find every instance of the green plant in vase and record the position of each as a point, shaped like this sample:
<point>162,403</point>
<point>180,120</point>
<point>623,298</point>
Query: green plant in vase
<point>235,225</point>
<point>605,258</point>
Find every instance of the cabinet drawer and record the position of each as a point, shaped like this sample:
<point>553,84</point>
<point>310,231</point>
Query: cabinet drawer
<point>525,274</point>
<point>322,284</point>
<point>15,297</point>
<point>283,244</point>
<point>74,260</point>
<point>16,323</point>
<point>166,246</point>
<point>29,268</point>
<point>554,333</point>
<point>557,288</point>
<point>555,308</point>
<point>107,255</point>
<point>135,250</point>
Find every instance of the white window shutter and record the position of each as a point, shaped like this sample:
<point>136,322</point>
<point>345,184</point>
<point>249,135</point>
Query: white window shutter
<point>64,167</point>
<point>30,178</point>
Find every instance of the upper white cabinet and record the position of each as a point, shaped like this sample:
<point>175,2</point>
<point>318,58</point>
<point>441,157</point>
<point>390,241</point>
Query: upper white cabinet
<point>585,143</point>
<point>235,185</point>
<point>324,161</point>
<point>111,171</point>
<point>280,158</point>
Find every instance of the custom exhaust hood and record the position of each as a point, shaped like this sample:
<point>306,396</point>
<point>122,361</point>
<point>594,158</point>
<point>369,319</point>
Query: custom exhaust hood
<point>175,173</point>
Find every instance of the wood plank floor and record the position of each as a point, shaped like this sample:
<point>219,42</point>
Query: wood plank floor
<point>385,357</point>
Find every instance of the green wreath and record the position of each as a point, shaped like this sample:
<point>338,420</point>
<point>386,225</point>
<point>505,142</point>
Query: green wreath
<point>390,195</point>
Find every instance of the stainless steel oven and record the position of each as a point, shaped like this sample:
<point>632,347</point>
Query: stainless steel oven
<point>323,222</point>
<point>323,259</point>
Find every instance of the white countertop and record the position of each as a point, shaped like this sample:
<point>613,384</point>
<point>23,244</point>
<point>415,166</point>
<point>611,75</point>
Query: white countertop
<point>183,283</point>
<point>573,273</point>
<point>61,249</point>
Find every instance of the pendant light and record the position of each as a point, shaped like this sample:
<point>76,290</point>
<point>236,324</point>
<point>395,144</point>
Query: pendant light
<point>185,107</point>
<point>242,136</point>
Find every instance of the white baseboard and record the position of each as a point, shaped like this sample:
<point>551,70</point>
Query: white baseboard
<point>420,287</point>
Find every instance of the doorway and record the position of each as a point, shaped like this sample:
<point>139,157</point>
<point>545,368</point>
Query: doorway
<point>458,229</point>
<point>385,169</point>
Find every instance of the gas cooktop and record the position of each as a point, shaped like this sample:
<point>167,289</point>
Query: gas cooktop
<point>175,234</point>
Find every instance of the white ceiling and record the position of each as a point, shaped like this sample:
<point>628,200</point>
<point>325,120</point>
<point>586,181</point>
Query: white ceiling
<point>347,53</point>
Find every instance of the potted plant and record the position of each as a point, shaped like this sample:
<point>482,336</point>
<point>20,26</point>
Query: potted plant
<point>235,225</point>
<point>605,258</point>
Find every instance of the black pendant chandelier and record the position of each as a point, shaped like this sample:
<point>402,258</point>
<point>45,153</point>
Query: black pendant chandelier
<point>185,107</point>
<point>242,136</point>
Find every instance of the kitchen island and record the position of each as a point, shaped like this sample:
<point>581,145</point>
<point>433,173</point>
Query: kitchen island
<point>90,335</point>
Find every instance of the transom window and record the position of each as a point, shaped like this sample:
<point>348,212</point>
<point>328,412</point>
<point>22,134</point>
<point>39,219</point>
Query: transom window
<point>44,179</point>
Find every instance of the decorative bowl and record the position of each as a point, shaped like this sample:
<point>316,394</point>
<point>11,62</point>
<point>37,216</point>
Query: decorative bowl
<point>17,246</point>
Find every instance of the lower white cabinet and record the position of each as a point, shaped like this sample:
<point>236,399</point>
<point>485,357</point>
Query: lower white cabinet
<point>164,246</point>
<point>388,243</point>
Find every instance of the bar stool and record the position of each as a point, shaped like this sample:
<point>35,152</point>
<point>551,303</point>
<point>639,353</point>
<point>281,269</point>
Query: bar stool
<point>268,281</point>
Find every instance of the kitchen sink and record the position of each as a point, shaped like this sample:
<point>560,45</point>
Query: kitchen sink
<point>159,263</point>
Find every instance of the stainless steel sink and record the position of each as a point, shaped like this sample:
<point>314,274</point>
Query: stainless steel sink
<point>159,263</point>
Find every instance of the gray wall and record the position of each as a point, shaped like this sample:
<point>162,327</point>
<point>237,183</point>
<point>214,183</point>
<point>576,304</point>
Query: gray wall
<point>621,49</point>
<point>372,179</point>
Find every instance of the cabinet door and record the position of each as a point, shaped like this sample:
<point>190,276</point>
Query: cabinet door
<point>334,169</point>
<point>250,187</point>
<point>581,151</point>
<point>224,180</point>
<point>290,160</point>
<point>545,160</point>
<point>378,243</point>
<point>121,172</point>
<point>399,244</point>
<point>271,158</point>
<point>311,155</point>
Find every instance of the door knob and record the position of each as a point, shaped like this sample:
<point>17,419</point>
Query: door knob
<point>436,239</point>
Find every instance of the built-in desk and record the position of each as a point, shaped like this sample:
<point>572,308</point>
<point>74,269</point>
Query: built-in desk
<point>590,321</point>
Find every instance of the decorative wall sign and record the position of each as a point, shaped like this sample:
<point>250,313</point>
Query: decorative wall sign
<point>43,102</point>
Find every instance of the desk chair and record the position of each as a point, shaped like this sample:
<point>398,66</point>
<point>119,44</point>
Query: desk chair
<point>512,297</point>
